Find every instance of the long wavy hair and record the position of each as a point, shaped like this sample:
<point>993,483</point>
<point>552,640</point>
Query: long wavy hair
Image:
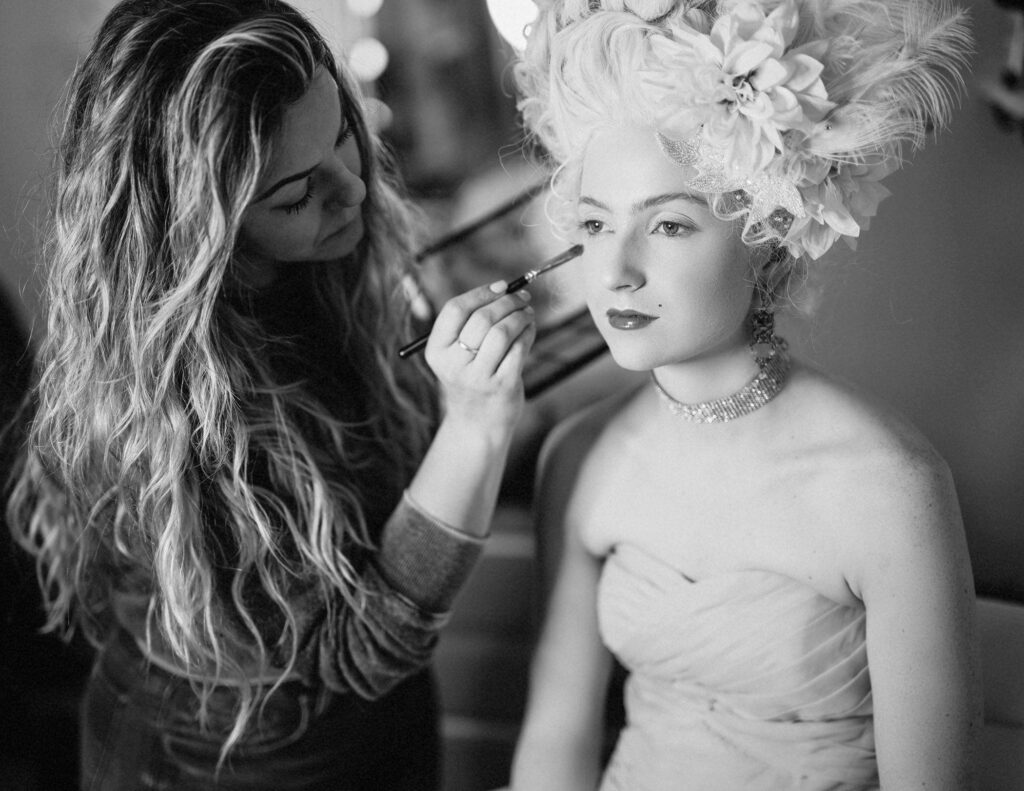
<point>165,453</point>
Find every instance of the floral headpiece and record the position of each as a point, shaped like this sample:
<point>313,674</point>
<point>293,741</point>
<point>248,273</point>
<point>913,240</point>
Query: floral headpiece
<point>798,108</point>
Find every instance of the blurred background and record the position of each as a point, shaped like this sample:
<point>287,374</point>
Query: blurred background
<point>927,314</point>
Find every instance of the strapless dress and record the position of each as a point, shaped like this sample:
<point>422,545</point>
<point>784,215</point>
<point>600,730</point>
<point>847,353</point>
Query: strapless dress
<point>745,681</point>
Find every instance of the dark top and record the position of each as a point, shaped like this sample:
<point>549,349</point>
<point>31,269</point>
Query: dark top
<point>409,582</point>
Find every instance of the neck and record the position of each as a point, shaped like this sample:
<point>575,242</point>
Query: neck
<point>708,377</point>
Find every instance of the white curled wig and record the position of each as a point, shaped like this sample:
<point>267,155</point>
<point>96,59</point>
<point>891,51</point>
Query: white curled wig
<point>790,111</point>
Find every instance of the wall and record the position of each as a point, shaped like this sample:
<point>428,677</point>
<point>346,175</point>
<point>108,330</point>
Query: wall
<point>926,315</point>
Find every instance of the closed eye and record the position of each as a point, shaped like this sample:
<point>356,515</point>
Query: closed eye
<point>344,135</point>
<point>346,132</point>
<point>301,203</point>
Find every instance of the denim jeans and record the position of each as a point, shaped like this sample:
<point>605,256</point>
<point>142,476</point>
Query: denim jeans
<point>140,732</point>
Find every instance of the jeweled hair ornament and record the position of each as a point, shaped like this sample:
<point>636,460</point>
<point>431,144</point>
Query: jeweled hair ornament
<point>797,109</point>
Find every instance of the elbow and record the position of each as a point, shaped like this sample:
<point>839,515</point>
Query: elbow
<point>372,660</point>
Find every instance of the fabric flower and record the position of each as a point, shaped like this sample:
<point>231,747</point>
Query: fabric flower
<point>861,190</point>
<point>740,85</point>
<point>841,205</point>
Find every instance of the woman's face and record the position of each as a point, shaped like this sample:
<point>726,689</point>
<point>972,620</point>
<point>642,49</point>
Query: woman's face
<point>666,281</point>
<point>308,201</point>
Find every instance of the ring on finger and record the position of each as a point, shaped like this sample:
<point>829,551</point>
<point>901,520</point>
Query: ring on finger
<point>468,348</point>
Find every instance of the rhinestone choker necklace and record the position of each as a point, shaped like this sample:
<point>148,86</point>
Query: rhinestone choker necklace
<point>754,394</point>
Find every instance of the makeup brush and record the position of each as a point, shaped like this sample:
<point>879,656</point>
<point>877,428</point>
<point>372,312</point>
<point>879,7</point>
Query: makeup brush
<point>519,283</point>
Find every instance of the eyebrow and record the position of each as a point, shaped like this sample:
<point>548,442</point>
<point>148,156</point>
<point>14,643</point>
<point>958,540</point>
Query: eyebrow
<point>647,203</point>
<point>286,180</point>
<point>344,126</point>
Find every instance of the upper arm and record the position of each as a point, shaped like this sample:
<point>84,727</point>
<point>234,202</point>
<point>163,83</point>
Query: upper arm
<point>561,738</point>
<point>914,577</point>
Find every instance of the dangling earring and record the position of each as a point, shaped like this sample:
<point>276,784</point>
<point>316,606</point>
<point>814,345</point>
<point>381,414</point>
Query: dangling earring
<point>764,343</point>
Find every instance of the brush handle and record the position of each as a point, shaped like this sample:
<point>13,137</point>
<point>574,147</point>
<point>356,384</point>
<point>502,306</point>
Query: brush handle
<point>412,348</point>
<point>518,284</point>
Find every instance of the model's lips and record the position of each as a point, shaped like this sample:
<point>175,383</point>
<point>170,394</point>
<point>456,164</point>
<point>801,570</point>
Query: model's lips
<point>629,319</point>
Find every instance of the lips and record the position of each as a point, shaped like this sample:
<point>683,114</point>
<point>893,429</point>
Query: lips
<point>348,218</point>
<point>629,319</point>
<point>348,234</point>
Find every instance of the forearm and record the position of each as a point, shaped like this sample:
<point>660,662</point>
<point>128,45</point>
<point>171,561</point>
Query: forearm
<point>409,583</point>
<point>458,481</point>
<point>550,762</point>
<point>559,748</point>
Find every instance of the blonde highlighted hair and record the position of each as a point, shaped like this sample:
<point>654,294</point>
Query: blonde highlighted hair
<point>155,401</point>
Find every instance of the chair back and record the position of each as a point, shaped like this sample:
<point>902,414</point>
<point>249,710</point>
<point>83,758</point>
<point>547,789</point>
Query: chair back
<point>1001,753</point>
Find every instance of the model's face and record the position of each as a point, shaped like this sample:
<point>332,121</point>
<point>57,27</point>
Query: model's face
<point>666,281</point>
<point>308,201</point>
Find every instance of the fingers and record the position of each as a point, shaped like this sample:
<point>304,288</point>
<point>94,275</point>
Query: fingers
<point>469,316</point>
<point>477,350</point>
<point>512,363</point>
<point>507,337</point>
<point>483,321</point>
<point>474,333</point>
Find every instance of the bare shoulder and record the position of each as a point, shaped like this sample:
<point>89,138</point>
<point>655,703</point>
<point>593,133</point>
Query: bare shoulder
<point>569,468</point>
<point>860,432</point>
<point>873,475</point>
<point>571,442</point>
<point>564,499</point>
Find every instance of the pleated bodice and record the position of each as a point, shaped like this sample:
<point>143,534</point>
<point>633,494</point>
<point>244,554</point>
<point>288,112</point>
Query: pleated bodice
<point>745,680</point>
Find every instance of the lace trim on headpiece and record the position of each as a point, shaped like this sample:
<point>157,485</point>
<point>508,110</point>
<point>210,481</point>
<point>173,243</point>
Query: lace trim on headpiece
<point>804,132</point>
<point>768,198</point>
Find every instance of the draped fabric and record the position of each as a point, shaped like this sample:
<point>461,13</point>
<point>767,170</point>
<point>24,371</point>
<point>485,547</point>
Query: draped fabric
<point>746,680</point>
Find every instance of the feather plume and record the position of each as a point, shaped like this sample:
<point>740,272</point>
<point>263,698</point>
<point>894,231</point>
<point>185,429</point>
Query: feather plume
<point>937,49</point>
<point>895,73</point>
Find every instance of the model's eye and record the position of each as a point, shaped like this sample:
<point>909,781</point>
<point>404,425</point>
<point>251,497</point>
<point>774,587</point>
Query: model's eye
<point>592,226</point>
<point>672,228</point>
<point>301,203</point>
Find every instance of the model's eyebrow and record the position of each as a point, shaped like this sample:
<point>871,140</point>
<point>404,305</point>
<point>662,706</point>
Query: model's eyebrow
<point>286,180</point>
<point>647,203</point>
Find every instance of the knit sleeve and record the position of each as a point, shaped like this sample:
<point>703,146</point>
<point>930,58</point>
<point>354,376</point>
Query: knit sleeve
<point>408,587</point>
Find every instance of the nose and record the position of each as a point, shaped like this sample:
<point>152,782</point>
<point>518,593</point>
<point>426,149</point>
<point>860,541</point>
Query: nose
<point>347,188</point>
<point>622,264</point>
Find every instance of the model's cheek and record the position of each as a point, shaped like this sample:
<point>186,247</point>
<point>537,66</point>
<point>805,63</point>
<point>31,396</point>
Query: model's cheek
<point>719,308</point>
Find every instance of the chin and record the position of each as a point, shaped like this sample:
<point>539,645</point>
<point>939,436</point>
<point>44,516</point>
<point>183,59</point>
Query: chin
<point>634,359</point>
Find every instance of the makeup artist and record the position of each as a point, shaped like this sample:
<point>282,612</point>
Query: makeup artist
<point>231,486</point>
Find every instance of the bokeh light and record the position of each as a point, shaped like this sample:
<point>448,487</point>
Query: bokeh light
<point>367,58</point>
<point>364,8</point>
<point>378,115</point>
<point>511,17</point>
